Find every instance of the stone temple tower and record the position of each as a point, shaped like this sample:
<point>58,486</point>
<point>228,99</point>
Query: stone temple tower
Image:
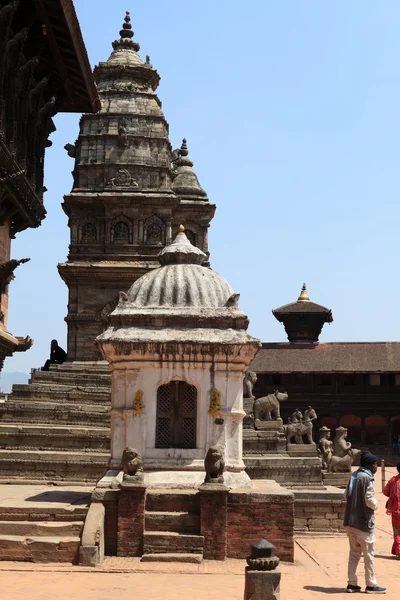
<point>129,196</point>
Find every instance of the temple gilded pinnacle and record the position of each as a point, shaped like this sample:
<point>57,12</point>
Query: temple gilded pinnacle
<point>130,193</point>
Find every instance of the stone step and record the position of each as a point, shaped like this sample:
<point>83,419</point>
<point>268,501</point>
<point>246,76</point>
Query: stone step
<point>181,557</point>
<point>172,542</point>
<point>65,393</point>
<point>52,466</point>
<point>39,549</point>
<point>54,412</point>
<point>100,366</point>
<point>45,436</point>
<point>69,378</point>
<point>182,501</point>
<point>178,522</point>
<point>41,528</point>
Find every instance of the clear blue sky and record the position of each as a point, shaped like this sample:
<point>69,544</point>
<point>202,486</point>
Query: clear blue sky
<point>291,111</point>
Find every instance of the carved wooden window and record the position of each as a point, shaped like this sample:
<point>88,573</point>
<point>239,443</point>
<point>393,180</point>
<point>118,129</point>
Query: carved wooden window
<point>88,233</point>
<point>176,415</point>
<point>121,233</point>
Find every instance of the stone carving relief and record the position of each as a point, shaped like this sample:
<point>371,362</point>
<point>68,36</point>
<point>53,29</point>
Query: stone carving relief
<point>154,231</point>
<point>249,381</point>
<point>123,179</point>
<point>123,139</point>
<point>121,233</point>
<point>132,465</point>
<point>88,233</point>
<point>121,230</point>
<point>267,408</point>
<point>301,430</point>
<point>214,465</point>
<point>325,446</point>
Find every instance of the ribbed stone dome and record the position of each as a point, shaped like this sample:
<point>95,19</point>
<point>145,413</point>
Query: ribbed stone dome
<point>181,281</point>
<point>180,286</point>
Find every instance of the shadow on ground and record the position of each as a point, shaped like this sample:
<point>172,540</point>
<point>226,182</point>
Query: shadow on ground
<point>324,590</point>
<point>65,497</point>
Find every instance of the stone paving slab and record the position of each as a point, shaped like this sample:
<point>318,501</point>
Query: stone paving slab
<point>43,496</point>
<point>319,570</point>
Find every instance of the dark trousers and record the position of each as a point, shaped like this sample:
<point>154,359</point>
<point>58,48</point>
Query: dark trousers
<point>49,362</point>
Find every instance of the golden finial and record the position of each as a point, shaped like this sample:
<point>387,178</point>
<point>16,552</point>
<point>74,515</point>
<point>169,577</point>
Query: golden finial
<point>181,229</point>
<point>304,297</point>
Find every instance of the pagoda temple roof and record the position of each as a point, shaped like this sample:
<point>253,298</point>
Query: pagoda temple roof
<point>334,357</point>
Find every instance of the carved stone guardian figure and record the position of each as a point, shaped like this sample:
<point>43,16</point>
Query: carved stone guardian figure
<point>343,455</point>
<point>214,465</point>
<point>132,465</point>
<point>302,430</point>
<point>325,446</point>
<point>341,447</point>
<point>250,379</point>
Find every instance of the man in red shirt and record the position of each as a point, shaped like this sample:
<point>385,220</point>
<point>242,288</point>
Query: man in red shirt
<point>392,491</point>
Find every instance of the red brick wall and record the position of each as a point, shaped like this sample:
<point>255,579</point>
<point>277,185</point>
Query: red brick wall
<point>252,516</point>
<point>131,507</point>
<point>213,515</point>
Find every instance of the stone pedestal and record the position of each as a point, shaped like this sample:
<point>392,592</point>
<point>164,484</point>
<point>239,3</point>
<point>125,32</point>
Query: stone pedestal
<point>131,509</point>
<point>213,520</point>
<point>339,480</point>
<point>266,441</point>
<point>276,425</point>
<point>261,585</point>
<point>302,449</point>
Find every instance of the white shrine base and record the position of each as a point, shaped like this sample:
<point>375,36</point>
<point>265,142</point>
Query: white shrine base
<point>176,479</point>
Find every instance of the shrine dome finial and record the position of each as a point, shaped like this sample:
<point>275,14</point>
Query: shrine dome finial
<point>304,297</point>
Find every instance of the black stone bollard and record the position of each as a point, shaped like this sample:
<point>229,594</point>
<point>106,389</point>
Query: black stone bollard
<point>262,580</point>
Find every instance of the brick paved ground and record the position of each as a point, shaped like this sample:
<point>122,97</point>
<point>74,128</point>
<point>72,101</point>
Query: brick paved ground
<point>319,570</point>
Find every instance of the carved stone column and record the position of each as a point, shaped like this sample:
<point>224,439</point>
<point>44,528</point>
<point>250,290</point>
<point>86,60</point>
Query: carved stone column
<point>169,233</point>
<point>140,240</point>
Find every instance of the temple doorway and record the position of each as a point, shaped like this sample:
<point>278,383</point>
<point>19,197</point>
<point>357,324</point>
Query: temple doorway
<point>176,415</point>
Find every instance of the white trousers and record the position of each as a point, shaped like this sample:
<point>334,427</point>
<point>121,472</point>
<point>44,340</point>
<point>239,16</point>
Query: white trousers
<point>359,546</point>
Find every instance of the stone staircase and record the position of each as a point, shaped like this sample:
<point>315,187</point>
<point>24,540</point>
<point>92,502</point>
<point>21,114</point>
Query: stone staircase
<point>56,428</point>
<point>172,527</point>
<point>42,531</point>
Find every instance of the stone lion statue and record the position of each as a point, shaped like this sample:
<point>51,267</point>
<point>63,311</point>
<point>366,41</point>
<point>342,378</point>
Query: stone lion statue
<point>343,464</point>
<point>214,465</point>
<point>249,381</point>
<point>340,446</point>
<point>267,408</point>
<point>132,464</point>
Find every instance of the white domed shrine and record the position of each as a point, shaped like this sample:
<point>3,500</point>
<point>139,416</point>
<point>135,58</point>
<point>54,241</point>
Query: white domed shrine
<point>178,350</point>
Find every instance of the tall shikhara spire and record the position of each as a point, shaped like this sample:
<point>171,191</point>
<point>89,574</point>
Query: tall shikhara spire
<point>129,196</point>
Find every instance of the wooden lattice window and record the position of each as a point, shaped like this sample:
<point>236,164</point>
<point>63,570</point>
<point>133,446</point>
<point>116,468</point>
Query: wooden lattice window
<point>176,415</point>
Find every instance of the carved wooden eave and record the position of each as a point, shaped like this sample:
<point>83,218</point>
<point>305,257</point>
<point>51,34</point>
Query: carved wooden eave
<point>67,50</point>
<point>10,344</point>
<point>18,200</point>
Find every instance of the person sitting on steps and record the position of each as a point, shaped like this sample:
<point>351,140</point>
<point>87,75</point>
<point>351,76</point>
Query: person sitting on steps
<point>57,356</point>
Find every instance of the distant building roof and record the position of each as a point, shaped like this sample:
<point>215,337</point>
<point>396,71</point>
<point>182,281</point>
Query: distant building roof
<point>336,357</point>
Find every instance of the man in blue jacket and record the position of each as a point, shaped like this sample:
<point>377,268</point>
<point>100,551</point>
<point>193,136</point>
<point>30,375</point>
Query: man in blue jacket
<point>359,520</point>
